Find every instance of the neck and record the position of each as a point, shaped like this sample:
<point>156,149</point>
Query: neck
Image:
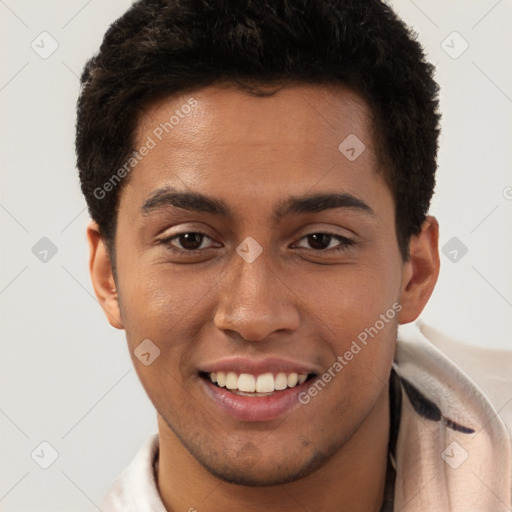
<point>353,479</point>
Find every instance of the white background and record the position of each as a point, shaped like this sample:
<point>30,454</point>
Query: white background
<point>65,374</point>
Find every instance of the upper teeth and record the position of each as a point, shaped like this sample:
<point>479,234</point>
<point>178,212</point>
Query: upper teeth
<point>265,383</point>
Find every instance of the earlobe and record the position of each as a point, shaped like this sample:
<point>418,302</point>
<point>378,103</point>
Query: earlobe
<point>102,276</point>
<point>420,273</point>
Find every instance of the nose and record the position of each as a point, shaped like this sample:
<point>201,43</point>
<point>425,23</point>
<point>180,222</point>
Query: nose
<point>254,302</point>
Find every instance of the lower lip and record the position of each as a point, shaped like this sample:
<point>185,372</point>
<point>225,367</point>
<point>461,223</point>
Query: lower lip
<point>257,408</point>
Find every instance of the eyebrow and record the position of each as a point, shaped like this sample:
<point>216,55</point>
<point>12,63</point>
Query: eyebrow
<point>193,201</point>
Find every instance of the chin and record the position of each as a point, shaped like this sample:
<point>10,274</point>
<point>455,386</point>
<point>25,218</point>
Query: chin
<point>256,473</point>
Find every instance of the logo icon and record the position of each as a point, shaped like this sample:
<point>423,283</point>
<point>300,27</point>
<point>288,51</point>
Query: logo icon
<point>146,352</point>
<point>44,250</point>
<point>249,249</point>
<point>454,455</point>
<point>44,455</point>
<point>454,45</point>
<point>44,45</point>
<point>352,147</point>
<point>454,249</point>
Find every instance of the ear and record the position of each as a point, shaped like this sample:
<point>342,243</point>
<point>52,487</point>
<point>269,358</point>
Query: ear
<point>102,276</point>
<point>420,273</point>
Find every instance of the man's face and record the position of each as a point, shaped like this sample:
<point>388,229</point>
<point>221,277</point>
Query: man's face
<point>292,309</point>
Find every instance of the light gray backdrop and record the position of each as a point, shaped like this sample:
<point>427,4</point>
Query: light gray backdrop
<point>65,375</point>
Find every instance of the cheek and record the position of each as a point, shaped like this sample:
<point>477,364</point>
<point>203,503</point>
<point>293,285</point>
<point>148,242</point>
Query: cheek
<point>157,298</point>
<point>351,298</point>
<point>356,312</point>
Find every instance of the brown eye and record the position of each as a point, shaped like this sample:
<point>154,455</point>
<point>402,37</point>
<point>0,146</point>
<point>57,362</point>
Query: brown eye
<point>189,241</point>
<point>323,242</point>
<point>319,241</point>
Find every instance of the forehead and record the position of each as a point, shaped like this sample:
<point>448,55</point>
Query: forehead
<point>223,141</point>
<point>225,113</point>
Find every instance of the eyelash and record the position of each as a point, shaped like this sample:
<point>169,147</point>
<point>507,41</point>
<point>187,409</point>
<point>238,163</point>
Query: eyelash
<point>345,244</point>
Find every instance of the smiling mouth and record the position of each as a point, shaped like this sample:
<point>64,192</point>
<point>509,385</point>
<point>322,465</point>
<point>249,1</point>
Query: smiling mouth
<point>246,384</point>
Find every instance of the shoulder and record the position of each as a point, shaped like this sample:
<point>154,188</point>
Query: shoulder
<point>465,393</point>
<point>135,490</point>
<point>490,370</point>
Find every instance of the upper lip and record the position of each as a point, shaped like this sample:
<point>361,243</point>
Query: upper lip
<point>258,367</point>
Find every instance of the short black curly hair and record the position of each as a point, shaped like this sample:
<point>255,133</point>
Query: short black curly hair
<point>162,47</point>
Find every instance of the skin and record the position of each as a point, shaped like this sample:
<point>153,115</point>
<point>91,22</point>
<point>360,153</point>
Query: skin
<point>290,302</point>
